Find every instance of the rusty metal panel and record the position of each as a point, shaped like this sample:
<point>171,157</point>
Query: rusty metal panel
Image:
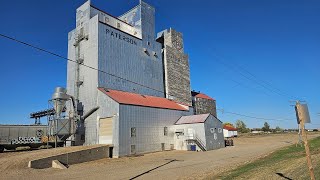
<point>142,100</point>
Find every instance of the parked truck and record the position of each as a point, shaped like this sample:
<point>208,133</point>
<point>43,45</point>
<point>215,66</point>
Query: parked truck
<point>229,133</point>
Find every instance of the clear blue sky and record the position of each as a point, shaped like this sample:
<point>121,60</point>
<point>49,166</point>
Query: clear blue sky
<point>276,40</point>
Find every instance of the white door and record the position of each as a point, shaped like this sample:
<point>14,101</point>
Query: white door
<point>105,130</point>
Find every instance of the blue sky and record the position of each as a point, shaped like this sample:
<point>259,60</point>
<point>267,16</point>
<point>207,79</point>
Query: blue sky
<point>276,41</point>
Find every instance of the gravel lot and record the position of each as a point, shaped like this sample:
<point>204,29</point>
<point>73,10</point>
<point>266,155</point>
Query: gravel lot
<point>160,165</point>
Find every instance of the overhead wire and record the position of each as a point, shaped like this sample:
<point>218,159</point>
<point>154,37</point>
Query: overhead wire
<point>261,83</point>
<point>251,79</point>
<point>93,68</point>
<point>254,117</point>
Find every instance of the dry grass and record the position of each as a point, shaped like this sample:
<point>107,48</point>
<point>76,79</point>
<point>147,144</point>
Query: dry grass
<point>289,162</point>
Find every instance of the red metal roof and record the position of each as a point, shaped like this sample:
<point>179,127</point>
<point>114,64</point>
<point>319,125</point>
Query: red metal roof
<point>201,118</point>
<point>204,96</point>
<point>129,98</point>
<point>229,128</point>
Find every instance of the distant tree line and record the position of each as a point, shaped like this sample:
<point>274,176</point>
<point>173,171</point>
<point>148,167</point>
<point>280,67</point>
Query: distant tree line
<point>242,128</point>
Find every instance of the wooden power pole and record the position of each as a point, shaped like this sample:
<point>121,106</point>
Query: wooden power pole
<point>302,120</point>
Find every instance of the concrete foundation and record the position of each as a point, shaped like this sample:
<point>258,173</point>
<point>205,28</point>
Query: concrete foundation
<point>72,158</point>
<point>58,165</point>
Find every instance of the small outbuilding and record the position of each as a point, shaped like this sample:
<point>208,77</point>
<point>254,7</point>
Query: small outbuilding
<point>229,131</point>
<point>203,132</point>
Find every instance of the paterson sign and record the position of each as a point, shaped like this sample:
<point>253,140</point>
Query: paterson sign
<point>121,37</point>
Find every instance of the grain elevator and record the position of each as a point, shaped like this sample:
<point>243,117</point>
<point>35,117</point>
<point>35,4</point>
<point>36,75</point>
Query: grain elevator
<point>139,79</point>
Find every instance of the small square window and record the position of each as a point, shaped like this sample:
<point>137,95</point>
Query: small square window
<point>118,25</point>
<point>212,130</point>
<point>165,131</point>
<point>133,132</point>
<point>133,149</point>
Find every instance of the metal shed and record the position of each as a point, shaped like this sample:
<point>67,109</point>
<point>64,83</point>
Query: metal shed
<point>203,130</point>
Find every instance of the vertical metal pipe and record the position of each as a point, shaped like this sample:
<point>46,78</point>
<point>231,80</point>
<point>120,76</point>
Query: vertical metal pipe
<point>56,128</point>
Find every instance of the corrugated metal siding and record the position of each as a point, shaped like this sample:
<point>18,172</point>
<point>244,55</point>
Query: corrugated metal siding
<point>109,108</point>
<point>148,27</point>
<point>88,91</point>
<point>129,61</point>
<point>71,66</point>
<point>217,125</point>
<point>199,131</point>
<point>11,132</point>
<point>149,124</point>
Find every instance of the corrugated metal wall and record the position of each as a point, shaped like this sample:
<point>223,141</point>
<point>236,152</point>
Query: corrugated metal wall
<point>214,133</point>
<point>131,58</point>
<point>149,124</point>
<point>198,130</point>
<point>129,61</point>
<point>140,61</point>
<point>89,53</point>
<point>109,108</point>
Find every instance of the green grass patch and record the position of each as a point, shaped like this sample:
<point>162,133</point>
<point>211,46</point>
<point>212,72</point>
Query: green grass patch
<point>287,153</point>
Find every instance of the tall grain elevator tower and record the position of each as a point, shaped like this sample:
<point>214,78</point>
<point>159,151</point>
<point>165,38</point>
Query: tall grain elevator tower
<point>176,66</point>
<point>123,49</point>
<point>140,83</point>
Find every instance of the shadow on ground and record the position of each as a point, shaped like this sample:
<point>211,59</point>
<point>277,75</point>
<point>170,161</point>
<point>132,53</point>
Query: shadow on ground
<point>171,160</point>
<point>281,175</point>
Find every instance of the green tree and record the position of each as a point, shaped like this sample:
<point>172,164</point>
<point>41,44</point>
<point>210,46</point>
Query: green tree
<point>278,129</point>
<point>266,127</point>
<point>241,126</point>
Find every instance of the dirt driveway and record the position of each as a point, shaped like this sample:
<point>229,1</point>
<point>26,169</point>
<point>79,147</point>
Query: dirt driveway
<point>161,165</point>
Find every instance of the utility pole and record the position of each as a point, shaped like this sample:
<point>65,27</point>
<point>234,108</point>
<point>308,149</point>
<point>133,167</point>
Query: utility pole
<point>301,112</point>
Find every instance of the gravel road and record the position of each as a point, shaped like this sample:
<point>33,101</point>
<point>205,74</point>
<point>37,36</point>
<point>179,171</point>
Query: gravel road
<point>160,165</point>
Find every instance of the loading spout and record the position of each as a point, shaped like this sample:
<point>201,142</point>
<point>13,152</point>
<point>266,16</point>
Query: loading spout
<point>89,113</point>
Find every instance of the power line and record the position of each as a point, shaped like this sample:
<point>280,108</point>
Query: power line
<point>246,86</point>
<point>57,55</point>
<point>254,79</point>
<point>254,117</point>
<point>249,78</point>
